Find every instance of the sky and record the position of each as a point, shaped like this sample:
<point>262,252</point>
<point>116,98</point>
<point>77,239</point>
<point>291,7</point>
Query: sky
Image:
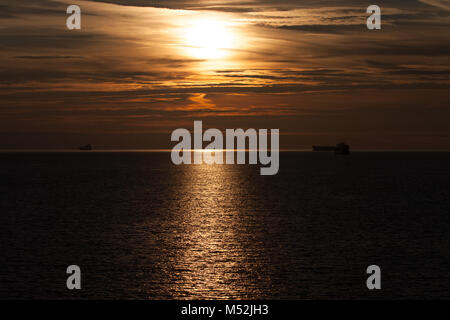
<point>137,70</point>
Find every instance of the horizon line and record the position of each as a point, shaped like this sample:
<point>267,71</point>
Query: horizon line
<point>203,150</point>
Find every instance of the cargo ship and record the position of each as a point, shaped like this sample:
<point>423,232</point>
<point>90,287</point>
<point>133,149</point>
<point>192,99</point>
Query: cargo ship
<point>340,148</point>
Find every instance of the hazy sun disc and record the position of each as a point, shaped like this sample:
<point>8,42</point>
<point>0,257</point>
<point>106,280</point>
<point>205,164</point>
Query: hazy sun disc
<point>208,39</point>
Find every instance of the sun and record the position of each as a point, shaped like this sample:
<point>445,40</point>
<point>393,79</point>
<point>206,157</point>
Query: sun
<point>208,39</point>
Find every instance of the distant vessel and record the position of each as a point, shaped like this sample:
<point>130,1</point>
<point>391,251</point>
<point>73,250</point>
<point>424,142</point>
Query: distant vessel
<point>340,148</point>
<point>86,147</point>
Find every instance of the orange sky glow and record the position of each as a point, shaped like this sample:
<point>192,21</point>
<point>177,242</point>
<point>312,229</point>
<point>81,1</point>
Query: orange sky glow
<point>138,70</point>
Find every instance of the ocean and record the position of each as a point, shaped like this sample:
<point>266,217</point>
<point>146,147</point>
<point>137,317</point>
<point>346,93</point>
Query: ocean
<point>140,227</point>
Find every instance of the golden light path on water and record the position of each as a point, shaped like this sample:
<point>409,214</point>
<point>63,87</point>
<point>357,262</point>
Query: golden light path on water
<point>212,259</point>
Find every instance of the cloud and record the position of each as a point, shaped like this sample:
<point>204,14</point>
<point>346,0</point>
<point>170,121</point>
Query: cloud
<point>48,57</point>
<point>443,4</point>
<point>200,102</point>
<point>251,5</point>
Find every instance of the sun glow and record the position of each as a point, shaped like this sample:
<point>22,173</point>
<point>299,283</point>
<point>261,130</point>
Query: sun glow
<point>209,39</point>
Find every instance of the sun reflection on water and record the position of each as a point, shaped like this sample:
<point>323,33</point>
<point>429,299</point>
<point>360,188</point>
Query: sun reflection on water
<point>211,258</point>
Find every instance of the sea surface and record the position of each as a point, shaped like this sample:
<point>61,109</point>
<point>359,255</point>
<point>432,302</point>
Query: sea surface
<point>140,227</point>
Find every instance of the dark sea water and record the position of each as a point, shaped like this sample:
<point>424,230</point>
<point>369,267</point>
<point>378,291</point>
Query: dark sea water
<point>141,228</point>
